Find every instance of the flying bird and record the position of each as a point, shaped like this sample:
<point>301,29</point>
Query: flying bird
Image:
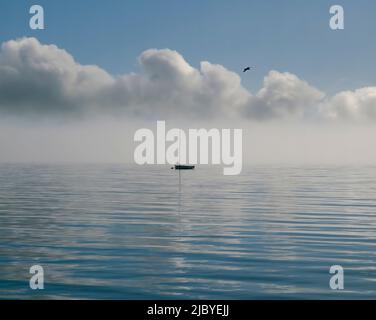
<point>246,69</point>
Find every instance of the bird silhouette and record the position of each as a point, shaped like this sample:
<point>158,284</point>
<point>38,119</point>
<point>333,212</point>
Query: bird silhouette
<point>246,69</point>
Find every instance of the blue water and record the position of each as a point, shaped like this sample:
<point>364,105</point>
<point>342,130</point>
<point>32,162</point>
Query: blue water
<point>126,232</point>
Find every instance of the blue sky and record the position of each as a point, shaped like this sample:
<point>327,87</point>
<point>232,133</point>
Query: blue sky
<point>289,35</point>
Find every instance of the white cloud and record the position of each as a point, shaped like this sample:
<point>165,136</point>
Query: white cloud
<point>43,79</point>
<point>35,77</point>
<point>358,105</point>
<point>168,85</point>
<point>284,95</point>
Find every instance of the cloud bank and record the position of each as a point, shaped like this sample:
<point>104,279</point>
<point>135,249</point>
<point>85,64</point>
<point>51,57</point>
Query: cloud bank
<point>45,80</point>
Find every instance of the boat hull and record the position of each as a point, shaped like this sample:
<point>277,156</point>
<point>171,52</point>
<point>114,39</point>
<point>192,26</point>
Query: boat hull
<point>183,167</point>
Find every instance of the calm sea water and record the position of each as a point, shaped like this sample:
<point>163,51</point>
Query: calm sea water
<point>123,232</point>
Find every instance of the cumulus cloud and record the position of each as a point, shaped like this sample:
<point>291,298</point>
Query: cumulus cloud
<point>44,79</point>
<point>35,77</point>
<point>358,105</point>
<point>284,95</point>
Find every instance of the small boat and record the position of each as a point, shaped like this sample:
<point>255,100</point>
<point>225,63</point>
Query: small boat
<point>183,167</point>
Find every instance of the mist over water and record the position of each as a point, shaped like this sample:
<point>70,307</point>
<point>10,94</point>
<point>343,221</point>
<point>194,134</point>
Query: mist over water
<point>125,232</point>
<point>110,140</point>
